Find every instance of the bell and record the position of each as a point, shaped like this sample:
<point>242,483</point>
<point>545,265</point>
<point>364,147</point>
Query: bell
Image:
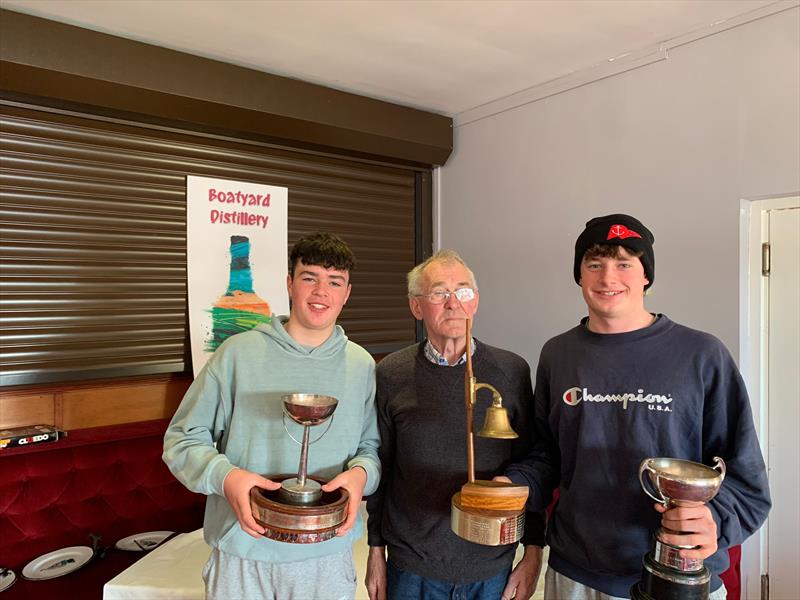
<point>496,425</point>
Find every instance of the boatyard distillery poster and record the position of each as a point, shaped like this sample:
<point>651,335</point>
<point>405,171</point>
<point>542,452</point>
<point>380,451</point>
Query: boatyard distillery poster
<point>236,259</point>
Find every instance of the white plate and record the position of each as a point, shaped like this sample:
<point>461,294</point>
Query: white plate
<point>58,563</point>
<point>141,542</point>
<point>7,578</point>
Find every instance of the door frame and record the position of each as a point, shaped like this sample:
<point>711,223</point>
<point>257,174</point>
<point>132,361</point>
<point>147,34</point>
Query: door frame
<point>752,351</point>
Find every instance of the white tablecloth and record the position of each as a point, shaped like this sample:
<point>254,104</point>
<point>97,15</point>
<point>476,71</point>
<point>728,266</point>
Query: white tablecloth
<point>170,571</point>
<point>174,571</point>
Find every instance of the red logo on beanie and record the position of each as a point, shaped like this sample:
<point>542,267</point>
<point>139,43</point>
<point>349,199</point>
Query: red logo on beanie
<point>622,232</point>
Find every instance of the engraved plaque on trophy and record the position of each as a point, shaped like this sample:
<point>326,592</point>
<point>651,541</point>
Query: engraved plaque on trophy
<point>674,482</point>
<point>299,512</point>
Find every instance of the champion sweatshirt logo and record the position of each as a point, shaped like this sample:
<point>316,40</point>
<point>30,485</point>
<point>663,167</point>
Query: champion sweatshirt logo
<point>575,395</point>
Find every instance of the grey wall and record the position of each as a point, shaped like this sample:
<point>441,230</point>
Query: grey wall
<point>676,143</point>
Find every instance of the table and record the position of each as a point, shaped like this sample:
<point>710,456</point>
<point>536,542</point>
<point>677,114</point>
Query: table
<point>172,570</point>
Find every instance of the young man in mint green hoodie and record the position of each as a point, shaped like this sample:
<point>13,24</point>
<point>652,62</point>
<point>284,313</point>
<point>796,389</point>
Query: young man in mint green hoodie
<point>235,403</point>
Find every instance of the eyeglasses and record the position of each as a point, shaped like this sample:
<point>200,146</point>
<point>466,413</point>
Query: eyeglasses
<point>442,296</point>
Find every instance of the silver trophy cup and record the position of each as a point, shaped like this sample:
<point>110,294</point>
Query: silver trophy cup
<point>308,410</point>
<point>675,482</point>
<point>300,512</point>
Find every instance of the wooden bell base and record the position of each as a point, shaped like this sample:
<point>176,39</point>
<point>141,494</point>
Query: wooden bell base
<point>494,495</point>
<point>486,526</point>
<point>298,524</point>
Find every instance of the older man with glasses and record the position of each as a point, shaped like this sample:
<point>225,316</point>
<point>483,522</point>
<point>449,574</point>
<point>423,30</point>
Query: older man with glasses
<point>420,403</point>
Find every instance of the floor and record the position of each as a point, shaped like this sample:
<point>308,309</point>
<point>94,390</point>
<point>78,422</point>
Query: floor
<point>360,550</point>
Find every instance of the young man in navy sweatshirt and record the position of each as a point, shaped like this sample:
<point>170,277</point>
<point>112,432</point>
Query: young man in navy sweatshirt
<point>622,386</point>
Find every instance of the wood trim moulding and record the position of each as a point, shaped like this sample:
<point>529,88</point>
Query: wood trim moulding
<point>64,63</point>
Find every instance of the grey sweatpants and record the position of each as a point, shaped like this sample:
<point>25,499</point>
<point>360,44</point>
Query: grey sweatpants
<point>330,577</point>
<point>561,587</point>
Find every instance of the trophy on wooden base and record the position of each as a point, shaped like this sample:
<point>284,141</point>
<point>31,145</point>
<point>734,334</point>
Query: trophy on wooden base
<point>299,512</point>
<point>490,513</point>
<point>665,574</point>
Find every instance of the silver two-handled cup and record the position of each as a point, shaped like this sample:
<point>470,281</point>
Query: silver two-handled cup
<point>681,482</point>
<point>676,482</point>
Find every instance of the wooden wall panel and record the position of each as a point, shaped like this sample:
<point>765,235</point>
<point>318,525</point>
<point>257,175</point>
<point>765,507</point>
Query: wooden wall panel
<point>18,410</point>
<point>93,404</point>
<point>115,404</point>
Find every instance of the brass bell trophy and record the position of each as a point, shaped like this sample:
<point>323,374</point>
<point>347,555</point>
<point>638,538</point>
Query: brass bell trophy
<point>665,575</point>
<point>490,513</point>
<point>299,512</point>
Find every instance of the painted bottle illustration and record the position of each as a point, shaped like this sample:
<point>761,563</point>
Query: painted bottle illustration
<point>239,308</point>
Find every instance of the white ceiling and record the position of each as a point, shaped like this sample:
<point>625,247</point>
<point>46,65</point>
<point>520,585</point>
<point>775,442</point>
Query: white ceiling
<point>442,56</point>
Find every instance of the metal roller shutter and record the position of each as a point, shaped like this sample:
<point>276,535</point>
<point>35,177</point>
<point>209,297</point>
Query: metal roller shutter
<point>93,240</point>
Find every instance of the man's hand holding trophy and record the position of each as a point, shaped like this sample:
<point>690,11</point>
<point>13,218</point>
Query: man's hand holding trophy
<point>673,569</point>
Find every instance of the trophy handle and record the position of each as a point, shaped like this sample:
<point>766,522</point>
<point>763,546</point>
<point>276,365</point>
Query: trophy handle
<point>719,465</point>
<point>645,466</point>
<point>286,429</point>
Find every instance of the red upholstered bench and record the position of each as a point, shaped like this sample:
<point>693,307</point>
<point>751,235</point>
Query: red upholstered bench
<point>107,481</point>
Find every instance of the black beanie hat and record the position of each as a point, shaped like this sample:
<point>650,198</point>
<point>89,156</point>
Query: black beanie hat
<point>617,230</point>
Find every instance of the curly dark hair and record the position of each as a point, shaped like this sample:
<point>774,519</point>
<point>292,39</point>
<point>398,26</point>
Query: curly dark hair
<point>609,251</point>
<point>324,250</point>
